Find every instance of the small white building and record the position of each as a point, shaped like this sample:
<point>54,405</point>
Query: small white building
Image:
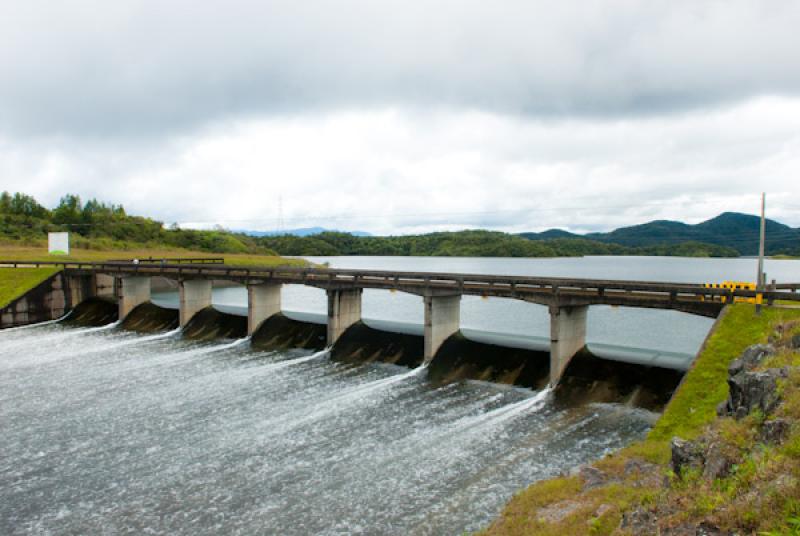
<point>58,243</point>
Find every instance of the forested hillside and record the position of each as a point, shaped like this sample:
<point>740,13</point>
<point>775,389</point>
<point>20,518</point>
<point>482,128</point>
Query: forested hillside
<point>97,225</point>
<point>474,243</point>
<point>729,229</point>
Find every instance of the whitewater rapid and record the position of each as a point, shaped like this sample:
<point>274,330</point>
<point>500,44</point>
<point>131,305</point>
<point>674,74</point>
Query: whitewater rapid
<point>107,431</point>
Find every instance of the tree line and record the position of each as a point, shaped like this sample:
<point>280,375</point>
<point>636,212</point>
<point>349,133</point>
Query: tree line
<point>97,225</point>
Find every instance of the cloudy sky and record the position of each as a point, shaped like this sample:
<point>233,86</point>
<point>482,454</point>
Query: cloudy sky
<point>405,116</point>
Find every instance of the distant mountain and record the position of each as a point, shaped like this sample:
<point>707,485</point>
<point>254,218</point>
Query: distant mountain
<point>303,231</point>
<point>731,229</point>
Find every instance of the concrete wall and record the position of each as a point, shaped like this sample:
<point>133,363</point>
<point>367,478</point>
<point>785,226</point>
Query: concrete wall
<point>195,295</point>
<point>263,301</point>
<point>344,310</point>
<point>567,337</point>
<point>105,286</point>
<point>442,319</point>
<point>46,301</point>
<point>133,291</point>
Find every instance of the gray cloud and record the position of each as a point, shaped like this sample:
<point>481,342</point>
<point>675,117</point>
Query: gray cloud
<point>394,171</point>
<point>99,69</point>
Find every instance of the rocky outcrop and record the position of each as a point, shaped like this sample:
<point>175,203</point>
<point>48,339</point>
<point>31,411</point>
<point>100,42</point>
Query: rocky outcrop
<point>686,455</point>
<point>750,358</point>
<point>751,389</point>
<point>775,431</point>
<point>639,521</point>
<point>754,390</point>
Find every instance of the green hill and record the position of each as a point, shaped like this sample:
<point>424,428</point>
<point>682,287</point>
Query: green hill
<point>97,225</point>
<point>730,230</point>
<point>101,226</point>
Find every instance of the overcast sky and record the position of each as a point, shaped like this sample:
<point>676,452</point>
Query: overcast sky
<point>405,116</point>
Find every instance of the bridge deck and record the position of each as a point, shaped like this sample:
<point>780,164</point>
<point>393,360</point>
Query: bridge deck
<point>694,298</point>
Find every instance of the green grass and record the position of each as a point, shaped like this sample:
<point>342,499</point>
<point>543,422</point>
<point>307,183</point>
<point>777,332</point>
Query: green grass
<point>28,253</point>
<point>694,403</point>
<point>691,409</point>
<point>14,282</point>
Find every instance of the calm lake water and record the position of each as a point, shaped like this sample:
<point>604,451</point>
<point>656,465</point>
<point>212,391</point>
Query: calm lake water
<point>108,432</point>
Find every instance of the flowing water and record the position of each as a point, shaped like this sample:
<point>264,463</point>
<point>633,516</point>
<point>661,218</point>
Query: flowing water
<point>110,432</point>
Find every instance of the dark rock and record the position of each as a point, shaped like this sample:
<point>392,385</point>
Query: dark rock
<point>723,409</point>
<point>685,454</point>
<point>750,358</point>
<point>717,464</point>
<point>639,521</point>
<point>775,431</point>
<point>795,341</point>
<point>689,529</point>
<point>647,474</point>
<point>708,529</point>
<point>754,390</point>
<point>592,477</point>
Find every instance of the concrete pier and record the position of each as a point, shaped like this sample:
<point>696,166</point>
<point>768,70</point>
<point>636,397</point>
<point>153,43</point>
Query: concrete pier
<point>344,310</point>
<point>567,337</point>
<point>78,288</point>
<point>133,291</point>
<point>195,295</point>
<point>263,301</point>
<point>104,285</point>
<point>442,319</point>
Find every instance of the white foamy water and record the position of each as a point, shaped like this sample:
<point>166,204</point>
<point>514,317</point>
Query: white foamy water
<point>110,432</point>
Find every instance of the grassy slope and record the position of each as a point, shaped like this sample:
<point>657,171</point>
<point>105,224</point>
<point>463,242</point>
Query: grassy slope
<point>693,407</point>
<point>27,253</point>
<point>14,282</point>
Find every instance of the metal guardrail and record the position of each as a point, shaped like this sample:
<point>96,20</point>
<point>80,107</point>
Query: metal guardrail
<point>124,262</point>
<point>173,260</point>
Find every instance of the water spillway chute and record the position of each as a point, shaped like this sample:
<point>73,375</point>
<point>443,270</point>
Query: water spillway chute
<point>279,332</point>
<point>210,323</point>
<point>589,378</point>
<point>93,312</point>
<point>149,318</point>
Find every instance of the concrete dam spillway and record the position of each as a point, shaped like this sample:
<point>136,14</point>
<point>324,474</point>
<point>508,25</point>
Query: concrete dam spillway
<point>196,421</point>
<point>481,357</point>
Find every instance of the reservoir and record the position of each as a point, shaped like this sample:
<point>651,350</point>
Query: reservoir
<point>109,432</point>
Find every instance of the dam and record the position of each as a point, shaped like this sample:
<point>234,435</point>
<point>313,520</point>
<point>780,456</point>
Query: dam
<point>567,299</point>
<point>170,430</point>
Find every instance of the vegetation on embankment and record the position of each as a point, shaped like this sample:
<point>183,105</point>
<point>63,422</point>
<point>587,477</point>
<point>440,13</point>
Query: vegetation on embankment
<point>759,492</point>
<point>95,225</point>
<point>14,282</point>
